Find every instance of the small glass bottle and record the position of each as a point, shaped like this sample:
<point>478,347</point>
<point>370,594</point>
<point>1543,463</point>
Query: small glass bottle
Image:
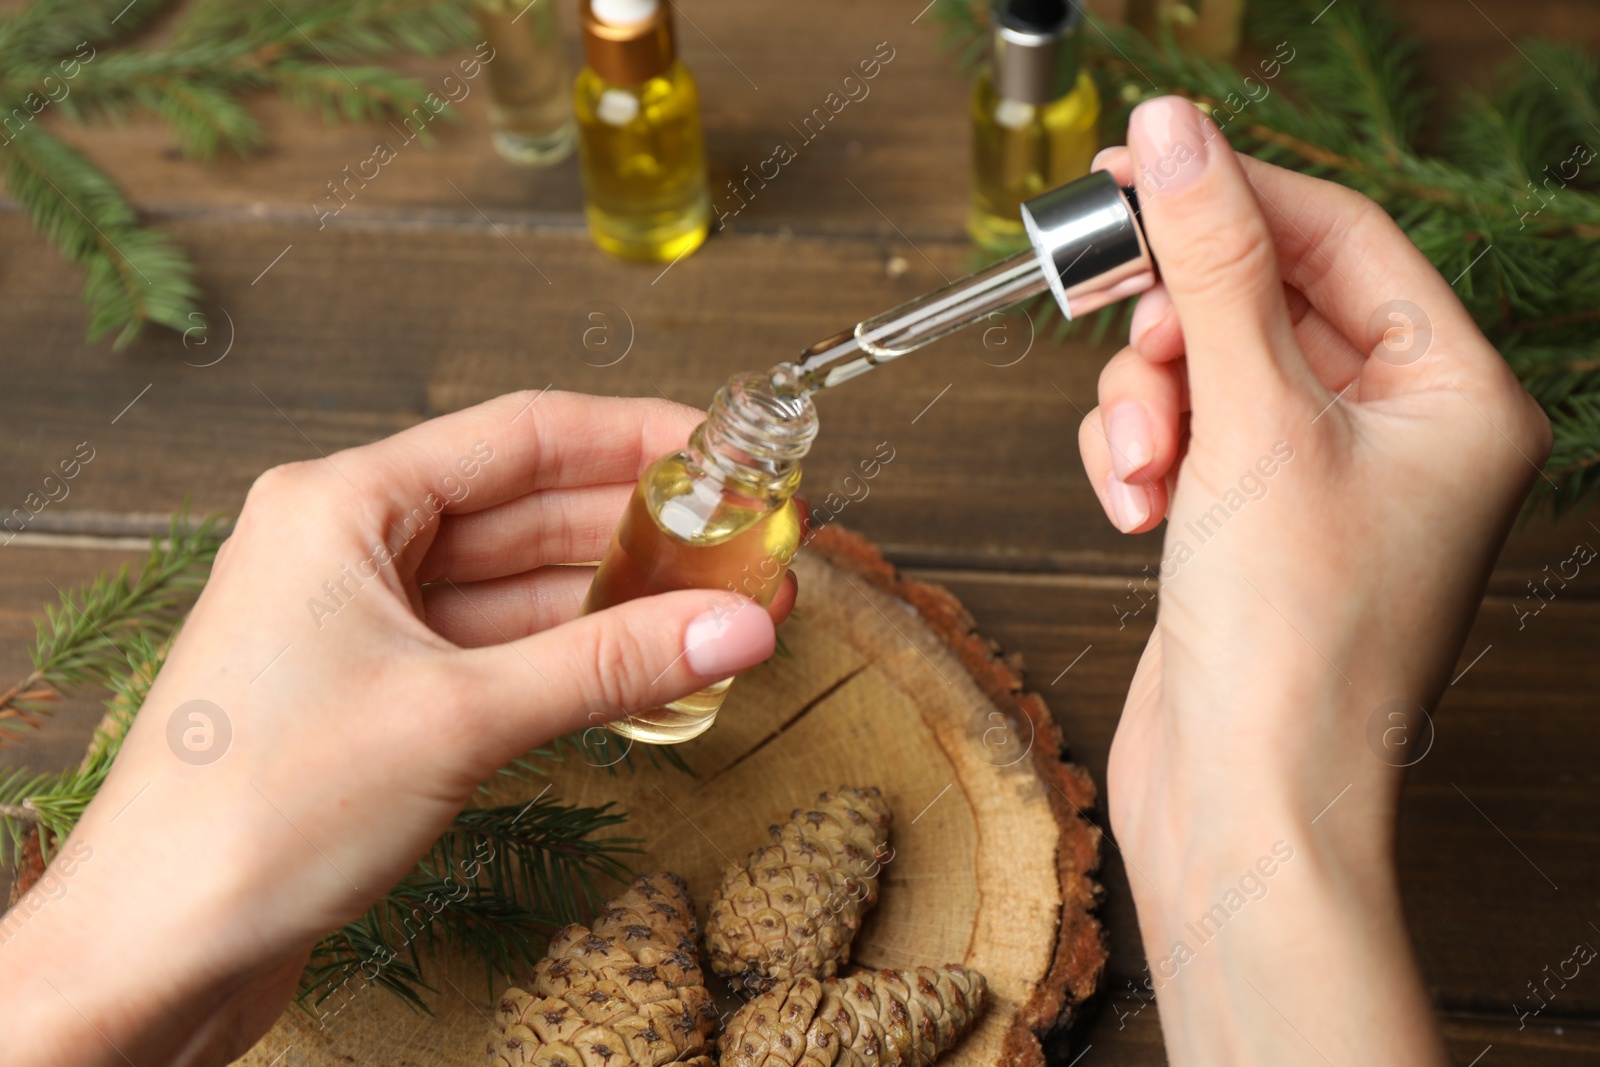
<point>718,515</point>
<point>1033,117</point>
<point>639,136</point>
<point>530,98</point>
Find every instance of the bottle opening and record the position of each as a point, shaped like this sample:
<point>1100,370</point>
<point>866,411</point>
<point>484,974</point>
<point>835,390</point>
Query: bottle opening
<point>624,12</point>
<point>1035,16</point>
<point>764,424</point>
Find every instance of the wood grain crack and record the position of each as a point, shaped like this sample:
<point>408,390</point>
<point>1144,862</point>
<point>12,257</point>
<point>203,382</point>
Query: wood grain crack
<point>790,721</point>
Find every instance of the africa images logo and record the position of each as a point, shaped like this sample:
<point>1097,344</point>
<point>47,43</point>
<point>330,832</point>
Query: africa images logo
<point>199,732</point>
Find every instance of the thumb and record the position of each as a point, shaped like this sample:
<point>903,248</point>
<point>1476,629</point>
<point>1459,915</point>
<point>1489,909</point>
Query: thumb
<point>636,655</point>
<point>1216,256</point>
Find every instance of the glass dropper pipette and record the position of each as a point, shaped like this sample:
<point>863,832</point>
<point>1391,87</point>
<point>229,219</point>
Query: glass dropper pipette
<point>1088,250</point>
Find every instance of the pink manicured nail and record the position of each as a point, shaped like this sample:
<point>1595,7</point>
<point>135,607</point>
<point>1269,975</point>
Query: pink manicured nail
<point>1130,504</point>
<point>1150,310</point>
<point>1168,136</point>
<point>1132,442</point>
<point>1102,159</point>
<point>727,640</point>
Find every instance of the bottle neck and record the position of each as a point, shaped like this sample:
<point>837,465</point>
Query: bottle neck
<point>629,53</point>
<point>1035,50</point>
<point>754,437</point>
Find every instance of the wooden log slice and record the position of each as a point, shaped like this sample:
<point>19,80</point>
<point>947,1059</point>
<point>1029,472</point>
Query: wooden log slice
<point>885,683</point>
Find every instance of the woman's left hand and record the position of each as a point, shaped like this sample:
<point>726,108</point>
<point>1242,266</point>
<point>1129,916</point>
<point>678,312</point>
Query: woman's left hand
<point>384,629</point>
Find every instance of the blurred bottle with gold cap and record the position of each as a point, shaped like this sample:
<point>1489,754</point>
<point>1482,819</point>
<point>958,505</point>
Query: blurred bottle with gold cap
<point>1033,117</point>
<point>530,98</point>
<point>639,135</point>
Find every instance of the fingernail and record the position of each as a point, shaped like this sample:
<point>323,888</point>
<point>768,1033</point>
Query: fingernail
<point>1132,443</point>
<point>1102,159</point>
<point>1168,137</point>
<point>1130,504</point>
<point>1148,312</point>
<point>728,639</point>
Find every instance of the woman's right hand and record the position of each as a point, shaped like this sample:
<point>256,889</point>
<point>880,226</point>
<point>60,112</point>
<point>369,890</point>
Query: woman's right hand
<point>1339,454</point>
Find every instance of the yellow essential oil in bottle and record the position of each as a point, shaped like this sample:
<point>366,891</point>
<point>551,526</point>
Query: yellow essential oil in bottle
<point>639,136</point>
<point>1033,117</point>
<point>718,515</point>
<point>530,98</point>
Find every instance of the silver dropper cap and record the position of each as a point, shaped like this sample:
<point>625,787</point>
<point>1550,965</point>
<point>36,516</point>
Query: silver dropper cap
<point>1090,243</point>
<point>1035,49</point>
<point>1088,250</point>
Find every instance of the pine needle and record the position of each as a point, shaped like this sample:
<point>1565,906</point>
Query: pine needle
<point>97,632</point>
<point>135,275</point>
<point>495,886</point>
<point>50,805</point>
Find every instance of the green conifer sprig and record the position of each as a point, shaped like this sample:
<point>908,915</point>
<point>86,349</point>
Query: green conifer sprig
<point>494,886</point>
<point>50,805</point>
<point>133,275</point>
<point>95,634</point>
<point>196,80</point>
<point>1499,190</point>
<point>54,27</point>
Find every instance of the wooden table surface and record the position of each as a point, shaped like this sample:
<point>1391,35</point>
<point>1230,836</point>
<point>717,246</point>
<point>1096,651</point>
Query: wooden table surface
<point>454,276</point>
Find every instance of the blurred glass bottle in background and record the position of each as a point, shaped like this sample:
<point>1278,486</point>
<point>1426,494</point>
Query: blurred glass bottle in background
<point>1033,117</point>
<point>530,99</point>
<point>639,137</point>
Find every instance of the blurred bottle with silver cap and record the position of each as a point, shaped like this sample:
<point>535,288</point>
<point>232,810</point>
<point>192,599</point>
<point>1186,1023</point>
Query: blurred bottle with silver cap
<point>1087,249</point>
<point>1033,116</point>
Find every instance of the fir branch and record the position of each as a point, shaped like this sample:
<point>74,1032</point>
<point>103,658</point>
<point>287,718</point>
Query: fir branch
<point>966,30</point>
<point>1488,138</point>
<point>556,861</point>
<point>135,275</point>
<point>355,94</point>
<point>350,953</point>
<point>117,85</point>
<point>100,631</point>
<point>50,805</point>
<point>1575,459</point>
<point>350,29</point>
<point>54,27</point>
<point>315,52</point>
<point>204,115</point>
<point>494,886</point>
<point>1561,84</point>
<point>1355,63</point>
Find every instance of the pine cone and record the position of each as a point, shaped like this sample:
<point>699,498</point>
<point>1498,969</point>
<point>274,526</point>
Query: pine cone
<point>792,910</point>
<point>876,1019</point>
<point>627,992</point>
